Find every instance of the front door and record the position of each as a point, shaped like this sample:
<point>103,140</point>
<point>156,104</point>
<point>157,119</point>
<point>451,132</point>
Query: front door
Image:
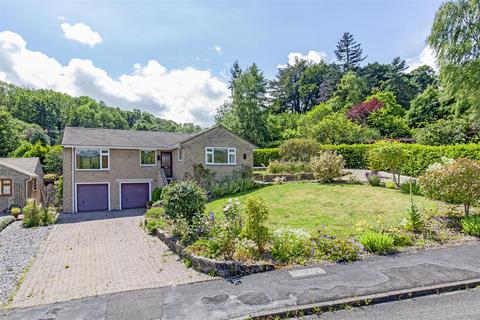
<point>166,163</point>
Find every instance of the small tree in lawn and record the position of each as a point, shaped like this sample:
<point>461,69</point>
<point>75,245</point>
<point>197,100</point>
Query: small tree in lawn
<point>389,157</point>
<point>455,182</point>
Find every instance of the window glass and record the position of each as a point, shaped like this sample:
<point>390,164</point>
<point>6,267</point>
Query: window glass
<point>147,157</point>
<point>5,187</point>
<point>180,154</point>
<point>92,159</point>
<point>220,155</point>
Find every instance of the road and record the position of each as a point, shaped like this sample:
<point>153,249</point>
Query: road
<point>459,305</point>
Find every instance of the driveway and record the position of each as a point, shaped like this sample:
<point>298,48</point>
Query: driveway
<point>97,253</point>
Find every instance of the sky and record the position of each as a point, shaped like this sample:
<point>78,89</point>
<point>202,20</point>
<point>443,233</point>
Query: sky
<point>172,58</point>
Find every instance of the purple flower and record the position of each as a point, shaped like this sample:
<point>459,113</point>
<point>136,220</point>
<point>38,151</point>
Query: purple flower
<point>212,216</point>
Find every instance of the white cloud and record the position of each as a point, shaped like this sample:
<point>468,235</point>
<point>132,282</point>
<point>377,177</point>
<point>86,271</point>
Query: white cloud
<point>312,56</point>
<point>82,33</point>
<point>426,57</point>
<point>182,95</point>
<point>218,49</point>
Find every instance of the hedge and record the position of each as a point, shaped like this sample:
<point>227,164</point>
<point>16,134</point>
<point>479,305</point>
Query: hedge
<point>5,221</point>
<point>419,157</point>
<point>262,157</point>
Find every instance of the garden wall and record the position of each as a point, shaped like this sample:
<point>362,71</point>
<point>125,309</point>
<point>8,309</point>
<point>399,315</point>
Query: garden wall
<point>210,266</point>
<point>356,156</point>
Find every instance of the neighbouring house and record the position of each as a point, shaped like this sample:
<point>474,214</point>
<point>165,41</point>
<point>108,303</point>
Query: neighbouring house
<point>110,169</point>
<point>20,179</point>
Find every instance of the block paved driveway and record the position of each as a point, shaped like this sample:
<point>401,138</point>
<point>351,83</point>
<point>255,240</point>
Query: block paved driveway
<point>89,254</point>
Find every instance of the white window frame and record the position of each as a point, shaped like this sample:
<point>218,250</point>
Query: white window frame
<point>211,151</point>
<point>101,154</point>
<point>148,165</point>
<point>179,154</point>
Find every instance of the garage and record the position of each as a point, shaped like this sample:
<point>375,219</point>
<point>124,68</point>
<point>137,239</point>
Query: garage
<point>134,195</point>
<point>92,197</point>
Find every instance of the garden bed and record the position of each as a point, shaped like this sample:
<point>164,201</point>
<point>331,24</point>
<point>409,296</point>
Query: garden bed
<point>211,266</point>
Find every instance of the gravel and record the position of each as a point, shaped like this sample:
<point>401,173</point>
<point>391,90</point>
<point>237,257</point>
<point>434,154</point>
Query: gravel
<point>18,246</point>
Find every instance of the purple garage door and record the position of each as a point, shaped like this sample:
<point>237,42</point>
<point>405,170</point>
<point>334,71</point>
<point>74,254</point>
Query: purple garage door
<point>134,195</point>
<point>92,197</point>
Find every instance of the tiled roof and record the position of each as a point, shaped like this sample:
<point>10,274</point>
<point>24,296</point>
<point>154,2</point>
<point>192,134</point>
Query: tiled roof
<point>24,165</point>
<point>89,137</point>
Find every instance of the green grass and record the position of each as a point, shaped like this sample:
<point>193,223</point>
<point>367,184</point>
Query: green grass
<point>337,206</point>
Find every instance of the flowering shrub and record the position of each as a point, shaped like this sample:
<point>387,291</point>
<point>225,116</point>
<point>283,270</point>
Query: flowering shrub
<point>291,245</point>
<point>245,249</point>
<point>256,217</point>
<point>327,166</point>
<point>455,182</point>
<point>360,112</point>
<point>336,249</point>
<point>35,215</point>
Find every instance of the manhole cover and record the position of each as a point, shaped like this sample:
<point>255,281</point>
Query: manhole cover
<point>307,272</point>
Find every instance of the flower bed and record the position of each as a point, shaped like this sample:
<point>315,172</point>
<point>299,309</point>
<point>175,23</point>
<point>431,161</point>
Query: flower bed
<point>212,266</point>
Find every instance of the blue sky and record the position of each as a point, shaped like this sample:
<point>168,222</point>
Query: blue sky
<point>199,39</point>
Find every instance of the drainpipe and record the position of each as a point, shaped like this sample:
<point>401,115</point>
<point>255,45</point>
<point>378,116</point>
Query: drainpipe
<point>74,201</point>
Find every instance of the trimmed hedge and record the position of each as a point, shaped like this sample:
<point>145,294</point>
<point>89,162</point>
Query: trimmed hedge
<point>262,157</point>
<point>5,221</point>
<point>419,157</point>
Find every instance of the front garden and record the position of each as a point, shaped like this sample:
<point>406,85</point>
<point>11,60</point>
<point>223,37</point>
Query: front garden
<point>325,219</point>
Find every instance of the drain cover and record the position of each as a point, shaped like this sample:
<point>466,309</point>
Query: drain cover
<point>307,272</point>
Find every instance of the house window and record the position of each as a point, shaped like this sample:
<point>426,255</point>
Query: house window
<point>226,156</point>
<point>180,154</point>
<point>92,159</point>
<point>34,184</point>
<point>5,187</point>
<point>148,158</point>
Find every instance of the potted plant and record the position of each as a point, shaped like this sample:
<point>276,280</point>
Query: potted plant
<point>15,212</point>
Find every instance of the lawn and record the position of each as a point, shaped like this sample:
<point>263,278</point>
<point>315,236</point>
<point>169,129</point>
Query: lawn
<point>337,206</point>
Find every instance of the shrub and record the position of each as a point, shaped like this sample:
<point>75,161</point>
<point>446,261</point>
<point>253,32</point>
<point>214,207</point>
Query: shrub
<point>5,221</point>
<point>245,249</point>
<point>456,182</point>
<point>390,185</point>
<point>336,249</point>
<point>360,112</point>
<point>230,187</point>
<point>401,239</point>
<point>262,157</point>
<point>299,149</point>
<point>377,242</point>
<point>445,132</point>
<point>355,155</point>
<point>256,216</point>
<point>155,213</point>
<point>327,166</point>
<point>203,176</point>
<point>389,157</point>
<point>31,214</point>
<point>156,194</point>
<point>58,187</point>
<point>412,186</point>
<point>291,245</point>
<point>471,225</point>
<point>374,180</point>
<point>288,167</point>
<point>15,212</point>
<point>34,215</point>
<point>184,200</point>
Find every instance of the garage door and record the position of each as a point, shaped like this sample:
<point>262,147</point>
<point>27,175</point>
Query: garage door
<point>92,197</point>
<point>134,195</point>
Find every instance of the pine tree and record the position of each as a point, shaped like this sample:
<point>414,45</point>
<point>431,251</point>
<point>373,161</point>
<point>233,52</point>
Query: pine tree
<point>235,72</point>
<point>349,52</point>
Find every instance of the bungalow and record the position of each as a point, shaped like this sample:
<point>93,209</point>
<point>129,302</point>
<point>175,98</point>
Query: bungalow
<point>20,179</point>
<point>110,169</point>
